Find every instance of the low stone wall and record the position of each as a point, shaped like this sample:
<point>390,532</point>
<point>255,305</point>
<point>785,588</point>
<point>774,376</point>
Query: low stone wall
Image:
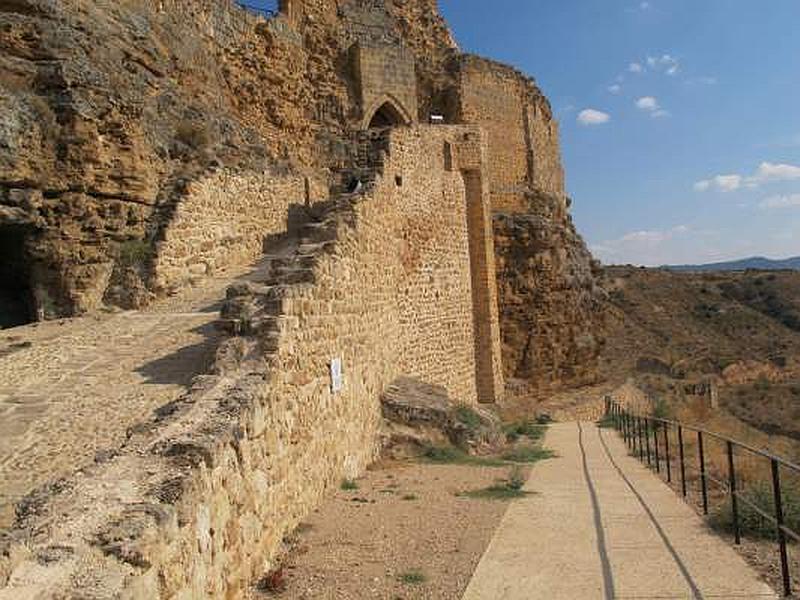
<point>223,221</point>
<point>197,502</point>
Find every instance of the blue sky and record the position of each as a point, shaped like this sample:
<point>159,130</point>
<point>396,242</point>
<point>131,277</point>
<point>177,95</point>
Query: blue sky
<point>695,155</point>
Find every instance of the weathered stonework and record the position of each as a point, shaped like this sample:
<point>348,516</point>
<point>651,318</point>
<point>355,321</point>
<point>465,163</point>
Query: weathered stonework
<point>222,221</point>
<point>203,493</point>
<point>152,142</point>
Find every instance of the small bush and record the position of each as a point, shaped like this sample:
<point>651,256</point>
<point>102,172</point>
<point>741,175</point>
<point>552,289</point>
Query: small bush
<point>135,253</point>
<point>450,455</point>
<point>607,422</point>
<point>529,429</point>
<point>661,409</point>
<point>753,524</point>
<point>527,454</point>
<point>467,416</point>
<point>413,577</point>
<point>349,485</point>
<point>510,489</point>
<point>409,497</point>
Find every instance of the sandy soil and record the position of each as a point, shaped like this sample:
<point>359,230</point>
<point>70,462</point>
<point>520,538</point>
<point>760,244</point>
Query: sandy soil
<point>404,518</point>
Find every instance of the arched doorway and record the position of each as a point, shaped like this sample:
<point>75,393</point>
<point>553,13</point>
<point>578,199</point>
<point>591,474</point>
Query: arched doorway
<point>385,112</point>
<point>386,116</point>
<point>16,297</point>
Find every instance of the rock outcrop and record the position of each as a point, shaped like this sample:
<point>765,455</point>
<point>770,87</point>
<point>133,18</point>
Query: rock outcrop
<point>419,415</point>
<point>551,310</point>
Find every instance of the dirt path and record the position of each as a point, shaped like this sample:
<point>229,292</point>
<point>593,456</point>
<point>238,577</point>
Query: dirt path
<point>71,389</point>
<point>405,533</point>
<point>600,525</point>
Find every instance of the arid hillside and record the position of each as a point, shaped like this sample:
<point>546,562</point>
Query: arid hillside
<point>690,338</point>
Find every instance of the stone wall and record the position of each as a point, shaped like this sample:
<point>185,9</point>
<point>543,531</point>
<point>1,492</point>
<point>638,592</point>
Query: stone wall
<point>198,500</point>
<point>386,74</point>
<point>222,221</point>
<point>523,143</point>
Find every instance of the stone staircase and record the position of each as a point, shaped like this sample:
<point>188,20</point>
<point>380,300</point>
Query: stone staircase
<point>257,310</point>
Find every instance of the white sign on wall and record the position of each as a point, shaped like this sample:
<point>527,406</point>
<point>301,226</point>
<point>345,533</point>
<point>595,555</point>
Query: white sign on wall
<point>337,382</point>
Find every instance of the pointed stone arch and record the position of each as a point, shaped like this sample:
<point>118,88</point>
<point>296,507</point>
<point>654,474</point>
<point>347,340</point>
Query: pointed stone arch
<point>386,111</point>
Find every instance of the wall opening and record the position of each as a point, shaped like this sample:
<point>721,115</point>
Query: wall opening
<point>16,296</point>
<point>387,115</point>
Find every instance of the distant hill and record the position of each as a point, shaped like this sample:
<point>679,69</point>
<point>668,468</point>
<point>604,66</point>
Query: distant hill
<point>756,262</point>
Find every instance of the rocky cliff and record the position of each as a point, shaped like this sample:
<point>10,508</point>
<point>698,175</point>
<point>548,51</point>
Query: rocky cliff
<point>551,310</point>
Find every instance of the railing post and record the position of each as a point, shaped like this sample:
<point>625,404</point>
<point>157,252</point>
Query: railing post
<point>655,446</point>
<point>641,445</point>
<point>666,451</point>
<point>703,472</point>
<point>734,500</point>
<point>683,462</point>
<point>647,439</point>
<point>776,490</point>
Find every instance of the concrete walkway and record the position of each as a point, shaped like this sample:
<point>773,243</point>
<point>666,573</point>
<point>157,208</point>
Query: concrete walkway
<point>600,525</point>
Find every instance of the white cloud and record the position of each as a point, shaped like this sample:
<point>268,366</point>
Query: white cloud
<point>591,116</point>
<point>645,6</point>
<point>647,103</point>
<point>635,67</point>
<point>648,245</point>
<point>665,63</point>
<point>766,173</point>
<point>722,183</point>
<point>775,172</point>
<point>776,202</point>
<point>650,105</point>
<point>615,89</point>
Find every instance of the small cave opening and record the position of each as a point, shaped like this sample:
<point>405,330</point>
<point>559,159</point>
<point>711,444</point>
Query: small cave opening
<point>16,296</point>
<point>386,116</point>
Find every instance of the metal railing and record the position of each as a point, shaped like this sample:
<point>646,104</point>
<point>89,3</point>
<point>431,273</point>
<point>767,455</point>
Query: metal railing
<point>656,441</point>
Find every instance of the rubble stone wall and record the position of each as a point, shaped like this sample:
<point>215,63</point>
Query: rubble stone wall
<point>223,221</point>
<point>523,144</point>
<point>197,502</point>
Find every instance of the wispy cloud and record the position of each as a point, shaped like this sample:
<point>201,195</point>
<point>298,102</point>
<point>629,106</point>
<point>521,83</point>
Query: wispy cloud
<point>590,116</point>
<point>665,63</point>
<point>650,105</point>
<point>649,246</point>
<point>765,173</point>
<point>703,80</point>
<point>635,67</point>
<point>615,89</point>
<point>778,202</point>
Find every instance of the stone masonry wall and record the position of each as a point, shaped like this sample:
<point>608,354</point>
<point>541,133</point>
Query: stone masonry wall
<point>523,137</point>
<point>197,502</point>
<point>223,221</point>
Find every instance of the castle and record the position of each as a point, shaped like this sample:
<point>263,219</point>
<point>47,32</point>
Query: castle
<point>417,199</point>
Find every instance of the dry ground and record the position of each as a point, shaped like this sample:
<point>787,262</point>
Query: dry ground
<point>403,534</point>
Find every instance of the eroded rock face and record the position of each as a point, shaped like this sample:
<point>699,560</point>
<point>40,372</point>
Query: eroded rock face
<point>550,307</point>
<point>418,415</point>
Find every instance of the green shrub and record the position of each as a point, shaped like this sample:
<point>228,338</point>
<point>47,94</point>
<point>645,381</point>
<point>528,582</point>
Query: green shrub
<point>349,485</point>
<point>469,417</point>
<point>413,577</point>
<point>751,523</point>
<point>529,429</point>
<point>135,253</point>
<point>527,454</point>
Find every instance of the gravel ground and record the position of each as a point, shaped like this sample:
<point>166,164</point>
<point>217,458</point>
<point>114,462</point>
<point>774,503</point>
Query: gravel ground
<point>403,534</point>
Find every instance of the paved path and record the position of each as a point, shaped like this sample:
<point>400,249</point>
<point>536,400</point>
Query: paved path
<point>601,526</point>
<point>70,389</point>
